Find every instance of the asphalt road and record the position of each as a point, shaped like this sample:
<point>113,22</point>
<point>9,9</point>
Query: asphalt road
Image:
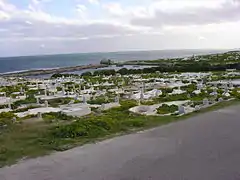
<point>206,147</point>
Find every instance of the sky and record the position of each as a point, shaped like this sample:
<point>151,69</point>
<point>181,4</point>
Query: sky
<point>29,27</point>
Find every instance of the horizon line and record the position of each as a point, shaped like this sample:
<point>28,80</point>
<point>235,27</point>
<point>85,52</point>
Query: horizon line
<point>121,51</point>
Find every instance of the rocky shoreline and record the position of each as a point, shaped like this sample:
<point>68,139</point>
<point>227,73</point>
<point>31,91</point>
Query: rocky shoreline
<point>54,70</point>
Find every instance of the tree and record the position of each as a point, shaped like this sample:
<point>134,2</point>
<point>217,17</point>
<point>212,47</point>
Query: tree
<point>106,61</point>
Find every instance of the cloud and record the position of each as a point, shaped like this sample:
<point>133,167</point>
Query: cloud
<point>93,25</point>
<point>115,9</point>
<point>81,8</point>
<point>4,15</point>
<point>95,2</point>
<point>42,46</point>
<point>40,29</point>
<point>33,24</point>
<point>201,38</point>
<point>227,11</point>
<point>7,7</point>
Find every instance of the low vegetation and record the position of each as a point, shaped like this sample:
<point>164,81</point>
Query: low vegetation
<point>166,109</point>
<point>58,132</point>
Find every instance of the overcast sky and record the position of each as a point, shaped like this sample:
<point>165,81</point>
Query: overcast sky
<point>65,26</point>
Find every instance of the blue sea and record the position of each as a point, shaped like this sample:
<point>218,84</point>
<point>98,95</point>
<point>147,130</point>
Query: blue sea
<point>23,63</point>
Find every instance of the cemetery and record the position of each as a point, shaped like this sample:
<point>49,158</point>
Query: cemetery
<point>67,110</point>
<point>78,95</point>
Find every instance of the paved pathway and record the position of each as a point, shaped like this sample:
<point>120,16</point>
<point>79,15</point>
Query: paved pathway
<point>206,147</point>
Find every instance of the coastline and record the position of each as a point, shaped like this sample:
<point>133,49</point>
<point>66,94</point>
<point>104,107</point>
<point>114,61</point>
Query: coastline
<point>52,70</point>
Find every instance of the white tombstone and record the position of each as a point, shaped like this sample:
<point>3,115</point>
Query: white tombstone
<point>205,102</point>
<point>55,87</point>
<point>143,87</point>
<point>139,102</point>
<point>21,89</point>
<point>45,91</point>
<point>197,108</point>
<point>181,109</point>
<point>76,97</point>
<point>220,99</point>
<point>39,115</point>
<point>103,107</point>
<point>106,98</point>
<point>98,92</point>
<point>84,100</point>
<point>199,87</point>
<point>117,99</point>
<point>215,92</point>
<point>63,90</point>
<point>74,88</point>
<point>46,103</point>
<point>226,88</point>
<point>9,104</point>
<point>231,85</point>
<point>14,119</point>
<point>71,102</point>
<point>141,96</point>
<point>37,98</point>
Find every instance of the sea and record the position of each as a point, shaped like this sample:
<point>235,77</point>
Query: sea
<point>24,63</point>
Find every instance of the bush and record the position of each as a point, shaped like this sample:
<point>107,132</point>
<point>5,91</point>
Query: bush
<point>6,118</point>
<point>29,100</point>
<point>165,109</point>
<point>85,128</point>
<point>196,103</point>
<point>134,123</point>
<point>57,116</point>
<point>48,118</point>
<point>112,121</point>
<point>99,100</point>
<point>59,101</point>
<point>176,97</point>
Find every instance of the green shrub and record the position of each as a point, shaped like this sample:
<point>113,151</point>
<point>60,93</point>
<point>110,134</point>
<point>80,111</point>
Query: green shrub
<point>6,118</point>
<point>57,116</point>
<point>134,123</point>
<point>175,97</point>
<point>99,100</point>
<point>85,128</point>
<point>92,126</point>
<point>29,100</point>
<point>165,109</point>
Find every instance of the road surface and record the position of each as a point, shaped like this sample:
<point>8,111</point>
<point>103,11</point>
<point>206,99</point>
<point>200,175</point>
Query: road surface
<point>206,147</point>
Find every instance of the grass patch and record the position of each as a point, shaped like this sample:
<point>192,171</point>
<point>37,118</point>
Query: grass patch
<point>20,141</point>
